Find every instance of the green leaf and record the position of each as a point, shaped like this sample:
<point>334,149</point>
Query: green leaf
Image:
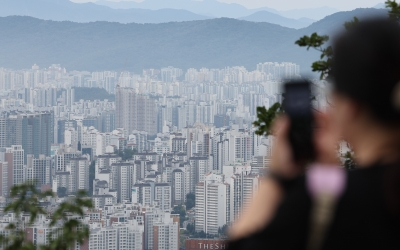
<point>313,41</point>
<point>394,10</point>
<point>25,199</point>
<point>265,118</point>
<point>351,24</point>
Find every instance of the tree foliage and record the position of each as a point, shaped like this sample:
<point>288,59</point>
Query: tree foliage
<point>394,10</point>
<point>25,200</point>
<point>65,222</point>
<point>126,154</point>
<point>265,118</point>
<point>61,192</point>
<point>324,65</point>
<point>203,235</point>
<point>182,213</point>
<point>223,231</point>
<point>318,42</point>
<point>190,201</point>
<point>68,214</point>
<point>190,228</point>
<point>351,24</point>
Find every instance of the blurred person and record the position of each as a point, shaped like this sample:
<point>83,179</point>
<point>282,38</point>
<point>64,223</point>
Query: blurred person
<point>366,113</point>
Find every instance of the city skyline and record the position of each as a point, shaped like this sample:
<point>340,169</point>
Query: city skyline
<point>169,136</point>
<point>150,124</point>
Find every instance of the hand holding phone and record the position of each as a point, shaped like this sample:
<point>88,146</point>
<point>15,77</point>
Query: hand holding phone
<point>297,106</point>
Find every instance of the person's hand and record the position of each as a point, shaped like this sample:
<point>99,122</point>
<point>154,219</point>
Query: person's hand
<point>282,163</point>
<point>325,141</point>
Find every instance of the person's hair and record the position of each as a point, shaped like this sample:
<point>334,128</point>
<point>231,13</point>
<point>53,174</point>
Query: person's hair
<point>366,67</point>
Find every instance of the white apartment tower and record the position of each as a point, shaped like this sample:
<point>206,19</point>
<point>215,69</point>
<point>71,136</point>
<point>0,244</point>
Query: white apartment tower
<point>201,166</point>
<point>212,204</point>
<point>161,230</point>
<point>121,236</point>
<point>123,178</point>
<point>79,174</point>
<point>166,233</point>
<point>104,162</point>
<point>243,186</point>
<point>38,170</point>
<point>3,178</point>
<point>178,187</point>
<point>162,195</point>
<point>63,155</point>
<point>15,158</point>
<point>151,193</point>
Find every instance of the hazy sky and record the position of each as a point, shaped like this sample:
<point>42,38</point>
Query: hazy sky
<point>293,4</point>
<point>301,4</point>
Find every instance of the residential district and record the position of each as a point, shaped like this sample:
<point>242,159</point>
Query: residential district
<point>169,142</point>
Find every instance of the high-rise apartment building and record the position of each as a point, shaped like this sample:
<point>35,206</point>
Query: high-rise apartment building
<point>3,178</point>
<point>231,146</point>
<point>104,162</point>
<point>166,233</point>
<point>201,166</point>
<point>33,131</point>
<point>162,195</point>
<point>170,74</point>
<point>38,170</point>
<point>212,204</point>
<point>63,156</point>
<point>107,121</point>
<point>161,230</point>
<point>135,111</point>
<point>260,164</point>
<point>251,185</point>
<point>151,193</point>
<point>123,178</point>
<point>178,187</point>
<point>8,129</point>
<point>3,132</point>
<point>63,125</point>
<point>121,236</point>
<point>243,185</point>
<point>14,155</point>
<point>79,174</point>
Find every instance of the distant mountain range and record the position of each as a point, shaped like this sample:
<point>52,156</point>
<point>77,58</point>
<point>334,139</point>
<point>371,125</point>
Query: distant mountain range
<point>380,6</point>
<point>212,8</point>
<point>215,8</point>
<point>268,17</point>
<point>214,43</point>
<point>64,10</point>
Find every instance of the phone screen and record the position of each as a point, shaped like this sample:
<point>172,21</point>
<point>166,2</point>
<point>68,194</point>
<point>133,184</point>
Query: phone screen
<point>297,105</point>
<point>298,100</point>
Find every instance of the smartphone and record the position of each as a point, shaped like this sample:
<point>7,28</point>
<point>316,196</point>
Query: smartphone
<point>297,105</point>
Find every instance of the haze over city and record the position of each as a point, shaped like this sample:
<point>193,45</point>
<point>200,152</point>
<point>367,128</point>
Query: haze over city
<point>147,124</point>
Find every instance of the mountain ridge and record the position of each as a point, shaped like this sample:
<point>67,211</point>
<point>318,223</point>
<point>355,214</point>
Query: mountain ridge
<point>268,17</point>
<point>218,9</point>
<point>211,43</point>
<point>64,10</point>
